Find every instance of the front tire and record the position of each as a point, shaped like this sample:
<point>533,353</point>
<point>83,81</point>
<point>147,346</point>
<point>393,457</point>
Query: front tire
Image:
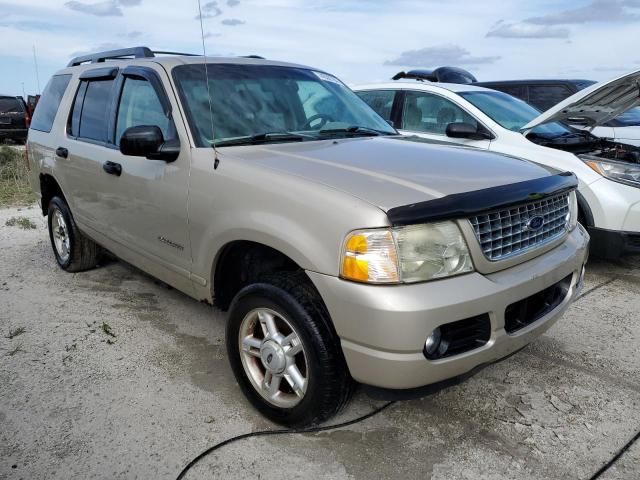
<point>283,352</point>
<point>74,251</point>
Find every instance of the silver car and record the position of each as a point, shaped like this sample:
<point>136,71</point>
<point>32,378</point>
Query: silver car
<point>343,252</point>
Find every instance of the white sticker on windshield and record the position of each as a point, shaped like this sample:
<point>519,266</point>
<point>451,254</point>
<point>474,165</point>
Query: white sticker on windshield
<point>327,78</point>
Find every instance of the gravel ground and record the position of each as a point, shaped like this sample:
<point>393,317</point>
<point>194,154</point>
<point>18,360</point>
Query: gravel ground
<point>117,376</point>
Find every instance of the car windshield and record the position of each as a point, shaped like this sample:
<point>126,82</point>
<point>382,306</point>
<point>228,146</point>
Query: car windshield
<point>630,118</point>
<point>513,113</point>
<point>260,103</point>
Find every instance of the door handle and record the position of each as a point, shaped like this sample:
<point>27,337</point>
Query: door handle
<point>112,168</point>
<point>62,152</point>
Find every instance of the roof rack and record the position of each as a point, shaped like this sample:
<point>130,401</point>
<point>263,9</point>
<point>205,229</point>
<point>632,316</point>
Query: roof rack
<point>123,53</point>
<point>441,74</point>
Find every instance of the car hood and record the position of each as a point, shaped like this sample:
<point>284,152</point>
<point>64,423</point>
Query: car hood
<point>390,171</point>
<point>595,105</point>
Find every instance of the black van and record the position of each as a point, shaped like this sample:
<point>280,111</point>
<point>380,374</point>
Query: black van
<point>542,94</point>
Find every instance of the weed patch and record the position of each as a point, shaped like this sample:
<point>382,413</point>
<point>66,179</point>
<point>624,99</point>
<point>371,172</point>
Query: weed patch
<point>14,178</point>
<point>21,222</point>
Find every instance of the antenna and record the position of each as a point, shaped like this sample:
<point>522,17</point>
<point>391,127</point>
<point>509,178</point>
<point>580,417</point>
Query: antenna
<point>206,77</point>
<point>35,61</point>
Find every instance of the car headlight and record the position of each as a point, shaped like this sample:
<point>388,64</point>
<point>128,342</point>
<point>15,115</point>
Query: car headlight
<point>414,253</point>
<point>622,172</point>
<point>572,216</point>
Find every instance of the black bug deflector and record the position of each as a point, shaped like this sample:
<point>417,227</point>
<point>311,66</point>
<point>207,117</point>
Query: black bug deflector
<point>461,205</point>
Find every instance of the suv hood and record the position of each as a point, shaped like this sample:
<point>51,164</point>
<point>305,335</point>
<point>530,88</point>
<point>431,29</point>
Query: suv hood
<point>390,171</point>
<point>595,105</point>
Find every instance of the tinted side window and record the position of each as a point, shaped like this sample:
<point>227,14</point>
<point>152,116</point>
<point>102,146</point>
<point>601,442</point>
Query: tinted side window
<point>380,100</point>
<point>543,97</point>
<point>518,91</point>
<point>95,109</point>
<point>429,113</point>
<point>140,105</point>
<point>48,105</point>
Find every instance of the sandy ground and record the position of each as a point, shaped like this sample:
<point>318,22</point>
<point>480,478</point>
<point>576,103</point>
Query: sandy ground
<point>76,402</point>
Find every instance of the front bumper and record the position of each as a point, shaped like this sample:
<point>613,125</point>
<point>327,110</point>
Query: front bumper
<point>383,328</point>
<point>612,244</point>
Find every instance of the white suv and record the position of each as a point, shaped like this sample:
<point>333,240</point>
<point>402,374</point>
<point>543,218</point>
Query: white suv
<point>608,172</point>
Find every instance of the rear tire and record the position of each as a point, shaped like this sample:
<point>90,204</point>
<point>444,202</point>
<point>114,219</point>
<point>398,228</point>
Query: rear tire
<point>319,384</point>
<point>74,251</point>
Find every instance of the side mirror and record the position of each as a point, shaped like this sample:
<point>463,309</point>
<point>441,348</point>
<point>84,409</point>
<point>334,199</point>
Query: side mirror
<point>147,141</point>
<point>467,130</point>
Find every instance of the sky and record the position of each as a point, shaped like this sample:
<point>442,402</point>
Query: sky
<point>359,41</point>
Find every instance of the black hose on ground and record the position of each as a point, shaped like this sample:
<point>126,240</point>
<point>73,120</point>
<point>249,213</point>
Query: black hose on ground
<point>284,431</point>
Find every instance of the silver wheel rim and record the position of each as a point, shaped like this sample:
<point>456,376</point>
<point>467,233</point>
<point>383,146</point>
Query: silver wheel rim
<point>60,232</point>
<point>273,357</point>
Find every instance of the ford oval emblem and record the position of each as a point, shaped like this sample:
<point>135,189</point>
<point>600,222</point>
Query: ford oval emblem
<point>535,223</point>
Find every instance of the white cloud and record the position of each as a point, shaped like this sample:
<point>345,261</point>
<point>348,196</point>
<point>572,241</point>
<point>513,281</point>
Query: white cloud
<point>233,22</point>
<point>440,55</point>
<point>610,11</point>
<point>103,47</point>
<point>210,10</point>
<point>527,30</point>
<point>108,8</point>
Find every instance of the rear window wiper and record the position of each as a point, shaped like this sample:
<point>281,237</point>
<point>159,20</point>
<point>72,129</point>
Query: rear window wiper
<point>260,138</point>
<point>352,130</point>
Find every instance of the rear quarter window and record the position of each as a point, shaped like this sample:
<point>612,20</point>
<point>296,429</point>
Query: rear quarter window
<point>48,105</point>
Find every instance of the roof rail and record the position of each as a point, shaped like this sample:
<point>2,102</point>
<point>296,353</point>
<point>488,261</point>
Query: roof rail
<point>133,52</point>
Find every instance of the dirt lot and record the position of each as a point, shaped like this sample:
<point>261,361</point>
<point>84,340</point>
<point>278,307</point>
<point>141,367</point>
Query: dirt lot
<point>110,374</point>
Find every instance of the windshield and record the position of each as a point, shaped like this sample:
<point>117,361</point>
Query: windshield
<point>630,118</point>
<point>254,100</point>
<point>513,113</point>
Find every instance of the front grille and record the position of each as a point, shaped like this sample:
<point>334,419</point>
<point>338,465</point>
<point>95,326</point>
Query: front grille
<point>526,311</point>
<point>508,232</point>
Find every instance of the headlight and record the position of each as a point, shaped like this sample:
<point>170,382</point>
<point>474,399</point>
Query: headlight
<point>572,216</point>
<point>622,172</point>
<point>415,253</point>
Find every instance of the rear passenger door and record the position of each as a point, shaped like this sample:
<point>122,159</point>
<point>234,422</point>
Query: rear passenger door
<point>138,206</point>
<point>428,114</point>
<point>86,148</point>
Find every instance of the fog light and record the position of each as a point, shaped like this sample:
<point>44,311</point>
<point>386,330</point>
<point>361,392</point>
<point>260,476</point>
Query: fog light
<point>433,342</point>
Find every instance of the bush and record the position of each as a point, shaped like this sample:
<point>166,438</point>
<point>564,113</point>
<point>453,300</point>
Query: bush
<point>14,178</point>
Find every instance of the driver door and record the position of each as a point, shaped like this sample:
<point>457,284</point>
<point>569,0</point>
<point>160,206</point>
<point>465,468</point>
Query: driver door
<point>427,115</point>
<point>149,197</point>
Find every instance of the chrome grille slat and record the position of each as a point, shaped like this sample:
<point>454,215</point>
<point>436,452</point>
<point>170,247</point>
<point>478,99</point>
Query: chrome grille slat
<point>504,233</point>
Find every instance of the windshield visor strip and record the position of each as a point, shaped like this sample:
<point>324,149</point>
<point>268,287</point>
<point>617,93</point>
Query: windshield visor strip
<point>466,204</point>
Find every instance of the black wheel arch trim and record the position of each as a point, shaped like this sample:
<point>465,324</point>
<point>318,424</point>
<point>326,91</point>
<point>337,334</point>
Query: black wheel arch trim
<point>466,204</point>
<point>585,209</point>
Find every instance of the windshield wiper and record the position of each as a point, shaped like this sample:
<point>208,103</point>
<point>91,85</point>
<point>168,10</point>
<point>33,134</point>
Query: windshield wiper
<point>259,138</point>
<point>352,130</point>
